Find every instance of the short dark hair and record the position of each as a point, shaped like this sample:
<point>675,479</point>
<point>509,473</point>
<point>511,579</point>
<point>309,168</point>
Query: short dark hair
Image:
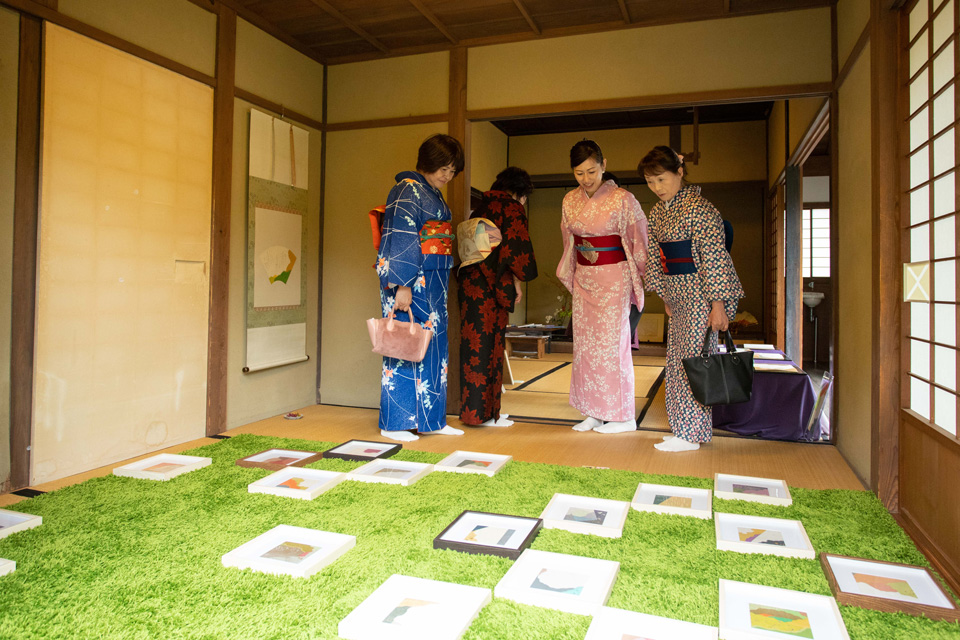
<point>583,151</point>
<point>438,151</point>
<point>513,180</point>
<point>662,158</point>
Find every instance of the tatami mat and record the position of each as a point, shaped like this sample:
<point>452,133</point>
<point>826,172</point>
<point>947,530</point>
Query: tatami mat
<point>527,370</point>
<point>540,405</point>
<point>559,381</point>
<point>655,419</point>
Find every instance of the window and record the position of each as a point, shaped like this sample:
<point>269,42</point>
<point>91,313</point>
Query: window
<point>929,216</point>
<point>816,243</point>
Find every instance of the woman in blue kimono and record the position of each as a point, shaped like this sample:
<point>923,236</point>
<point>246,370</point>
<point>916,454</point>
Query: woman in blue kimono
<point>413,263</point>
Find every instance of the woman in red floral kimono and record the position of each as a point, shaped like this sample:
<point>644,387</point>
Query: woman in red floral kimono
<point>488,291</point>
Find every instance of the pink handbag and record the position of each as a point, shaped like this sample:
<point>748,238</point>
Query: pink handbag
<point>396,339</point>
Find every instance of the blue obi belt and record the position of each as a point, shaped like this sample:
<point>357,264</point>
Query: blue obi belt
<point>676,258</point>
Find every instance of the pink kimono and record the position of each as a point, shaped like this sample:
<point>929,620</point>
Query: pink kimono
<point>602,383</point>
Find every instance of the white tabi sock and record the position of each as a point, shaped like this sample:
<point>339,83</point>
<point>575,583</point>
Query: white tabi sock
<point>402,436</point>
<point>445,431</point>
<point>588,424</point>
<point>617,427</point>
<point>498,422</point>
<point>670,437</point>
<point>676,444</point>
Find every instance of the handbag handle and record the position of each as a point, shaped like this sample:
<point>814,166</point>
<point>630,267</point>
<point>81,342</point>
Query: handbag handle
<point>392,315</point>
<point>727,340</point>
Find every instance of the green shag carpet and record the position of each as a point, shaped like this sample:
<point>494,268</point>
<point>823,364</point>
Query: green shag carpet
<point>127,558</point>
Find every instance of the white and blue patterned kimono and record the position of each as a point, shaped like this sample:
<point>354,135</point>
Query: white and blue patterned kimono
<point>413,395</point>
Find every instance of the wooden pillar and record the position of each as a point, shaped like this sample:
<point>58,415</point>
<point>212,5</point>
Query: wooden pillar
<point>26,215</point>
<point>886,272</point>
<point>220,221</point>
<point>323,196</point>
<point>793,283</point>
<point>459,201</point>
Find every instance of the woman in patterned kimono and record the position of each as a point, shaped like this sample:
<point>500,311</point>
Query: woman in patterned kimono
<point>697,281</point>
<point>488,291</point>
<point>604,254</point>
<point>413,263</point>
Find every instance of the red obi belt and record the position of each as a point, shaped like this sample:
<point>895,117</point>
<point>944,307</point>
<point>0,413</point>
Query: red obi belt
<point>676,258</point>
<point>436,238</point>
<point>595,251</point>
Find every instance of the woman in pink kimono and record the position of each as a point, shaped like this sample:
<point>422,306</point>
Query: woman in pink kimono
<point>697,281</point>
<point>604,254</point>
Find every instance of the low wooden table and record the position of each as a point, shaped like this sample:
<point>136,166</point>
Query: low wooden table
<point>539,344</point>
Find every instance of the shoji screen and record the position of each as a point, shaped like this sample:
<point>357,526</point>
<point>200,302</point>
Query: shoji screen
<point>124,243</point>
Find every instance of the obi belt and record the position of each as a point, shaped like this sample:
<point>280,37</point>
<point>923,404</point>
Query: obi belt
<point>436,238</point>
<point>595,251</point>
<point>676,258</point>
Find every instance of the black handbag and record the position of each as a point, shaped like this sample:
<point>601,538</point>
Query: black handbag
<point>720,378</point>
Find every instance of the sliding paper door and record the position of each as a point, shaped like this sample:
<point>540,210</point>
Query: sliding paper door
<point>122,279</point>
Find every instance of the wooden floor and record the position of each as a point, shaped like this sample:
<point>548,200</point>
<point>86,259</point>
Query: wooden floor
<point>812,466</point>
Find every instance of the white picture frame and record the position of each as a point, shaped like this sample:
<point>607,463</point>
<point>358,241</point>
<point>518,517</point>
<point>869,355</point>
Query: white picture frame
<point>163,466</point>
<point>558,581</point>
<point>494,534</point>
<point>669,499</point>
<point>408,608</point>
<point>13,521</point>
<point>487,464</point>
<point>751,489</point>
<point>7,566</point>
<point>745,613</point>
<point>391,472</point>
<point>297,482</point>
<point>276,459</point>
<point>756,534</point>
<point>582,514</point>
<point>888,586</point>
<point>617,624</point>
<point>755,347</point>
<point>291,551</point>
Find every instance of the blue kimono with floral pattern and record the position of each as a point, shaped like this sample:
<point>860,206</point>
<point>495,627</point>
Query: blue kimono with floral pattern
<point>413,395</point>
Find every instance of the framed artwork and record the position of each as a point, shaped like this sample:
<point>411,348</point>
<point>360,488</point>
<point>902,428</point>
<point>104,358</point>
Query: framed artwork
<point>391,472</point>
<point>492,534</point>
<point>764,490</point>
<point>762,347</point>
<point>617,624</point>
<point>559,581</point>
<point>770,536</point>
<point>406,608</point>
<point>162,467</point>
<point>291,551</point>
<point>305,484</point>
<point>775,367</point>
<point>487,464</point>
<point>681,501</point>
<point>753,612</point>
<point>276,459</point>
<point>363,450</point>
<point>580,514</point>
<point>13,521</point>
<point>7,566</point>
<point>888,586</point>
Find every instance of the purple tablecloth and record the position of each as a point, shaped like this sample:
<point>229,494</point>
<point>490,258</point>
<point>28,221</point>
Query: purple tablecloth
<point>779,408</point>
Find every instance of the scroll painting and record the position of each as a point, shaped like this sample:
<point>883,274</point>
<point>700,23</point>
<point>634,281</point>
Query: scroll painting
<point>276,241</point>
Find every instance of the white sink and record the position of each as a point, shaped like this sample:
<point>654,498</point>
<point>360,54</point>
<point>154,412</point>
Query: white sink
<point>812,298</point>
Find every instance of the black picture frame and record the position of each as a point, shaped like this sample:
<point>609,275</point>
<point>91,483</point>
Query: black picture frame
<point>386,453</point>
<point>490,550</point>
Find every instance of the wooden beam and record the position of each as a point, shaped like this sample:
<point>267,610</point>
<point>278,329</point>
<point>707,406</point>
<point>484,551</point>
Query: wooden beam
<point>886,100</point>
<point>279,109</point>
<point>854,55</point>
<point>323,198</point>
<point>26,217</point>
<point>526,16</point>
<point>350,24</point>
<point>429,15</point>
<point>220,221</point>
<point>459,200</point>
<point>387,122</point>
<point>624,12</point>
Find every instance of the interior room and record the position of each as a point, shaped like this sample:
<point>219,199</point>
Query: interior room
<point>165,163</point>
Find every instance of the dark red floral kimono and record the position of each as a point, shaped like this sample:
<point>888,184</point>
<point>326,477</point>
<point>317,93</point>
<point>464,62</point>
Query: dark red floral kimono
<point>487,296</point>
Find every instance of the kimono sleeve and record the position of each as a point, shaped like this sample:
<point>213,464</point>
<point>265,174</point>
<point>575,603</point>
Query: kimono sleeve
<point>718,277</point>
<point>516,254</point>
<point>568,261</point>
<point>400,257</point>
<point>653,275</point>
<point>633,231</point>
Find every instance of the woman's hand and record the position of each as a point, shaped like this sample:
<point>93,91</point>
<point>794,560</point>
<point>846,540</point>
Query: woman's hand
<point>718,316</point>
<point>403,299</point>
<point>516,285</point>
<point>666,307</point>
